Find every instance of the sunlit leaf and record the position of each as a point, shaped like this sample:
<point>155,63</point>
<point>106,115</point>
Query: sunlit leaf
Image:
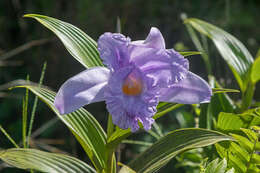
<point>82,124</point>
<point>232,170</point>
<point>232,50</point>
<point>240,152</point>
<point>229,122</point>
<point>79,44</point>
<point>125,169</point>
<point>216,167</point>
<point>165,108</point>
<point>255,73</point>
<point>224,90</point>
<point>172,144</point>
<point>255,159</point>
<point>44,161</point>
<point>189,53</point>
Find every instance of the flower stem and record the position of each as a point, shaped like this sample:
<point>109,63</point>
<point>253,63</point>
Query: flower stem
<point>110,126</point>
<point>110,152</point>
<point>110,162</point>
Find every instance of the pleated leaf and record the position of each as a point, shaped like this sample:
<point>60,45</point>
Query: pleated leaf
<point>232,50</point>
<point>43,161</point>
<point>172,144</point>
<point>79,44</point>
<point>82,124</point>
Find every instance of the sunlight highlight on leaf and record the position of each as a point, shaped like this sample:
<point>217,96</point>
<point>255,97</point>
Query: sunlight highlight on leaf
<point>79,44</point>
<point>232,50</point>
<point>172,144</point>
<point>82,124</point>
<point>44,161</point>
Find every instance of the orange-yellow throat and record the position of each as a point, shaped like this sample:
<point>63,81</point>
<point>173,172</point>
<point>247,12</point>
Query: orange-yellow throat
<point>132,86</point>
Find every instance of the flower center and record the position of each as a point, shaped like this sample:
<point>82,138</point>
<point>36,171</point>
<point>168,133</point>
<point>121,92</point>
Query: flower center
<point>132,86</point>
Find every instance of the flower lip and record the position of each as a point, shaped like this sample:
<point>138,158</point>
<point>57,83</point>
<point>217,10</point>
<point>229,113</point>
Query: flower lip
<point>132,85</point>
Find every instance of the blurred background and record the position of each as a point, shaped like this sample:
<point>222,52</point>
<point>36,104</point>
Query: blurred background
<point>25,45</point>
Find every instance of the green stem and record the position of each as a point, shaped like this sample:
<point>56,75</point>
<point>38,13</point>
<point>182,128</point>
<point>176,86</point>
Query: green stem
<point>110,152</point>
<point>25,115</point>
<point>34,106</point>
<point>8,136</point>
<point>158,115</point>
<point>110,162</point>
<point>251,155</point>
<point>110,126</point>
<point>247,96</point>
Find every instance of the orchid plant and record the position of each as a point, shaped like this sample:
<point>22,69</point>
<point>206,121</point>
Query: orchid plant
<point>141,81</point>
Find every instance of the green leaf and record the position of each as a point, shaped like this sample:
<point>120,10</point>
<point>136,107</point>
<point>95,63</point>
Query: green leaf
<point>244,142</point>
<point>240,152</point>
<point>220,102</point>
<point>216,167</point>
<point>189,53</point>
<point>235,162</point>
<point>82,124</point>
<point>255,159</point>
<point>229,122</point>
<point>255,73</point>
<point>79,45</point>
<point>211,167</point>
<point>164,108</point>
<point>125,169</point>
<point>221,167</point>
<point>202,47</point>
<point>172,144</point>
<point>232,50</point>
<point>232,170</point>
<point>117,137</point>
<point>44,161</point>
<point>224,90</point>
<point>253,136</point>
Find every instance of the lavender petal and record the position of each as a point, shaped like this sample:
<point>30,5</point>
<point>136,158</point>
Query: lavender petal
<point>84,88</point>
<point>191,90</point>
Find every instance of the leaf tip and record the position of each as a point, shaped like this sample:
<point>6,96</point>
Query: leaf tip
<point>27,15</point>
<point>33,15</point>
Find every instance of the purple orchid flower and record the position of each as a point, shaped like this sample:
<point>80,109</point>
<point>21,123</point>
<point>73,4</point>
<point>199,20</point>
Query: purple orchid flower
<point>138,75</point>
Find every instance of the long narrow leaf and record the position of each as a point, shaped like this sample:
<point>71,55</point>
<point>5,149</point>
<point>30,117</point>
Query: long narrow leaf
<point>172,144</point>
<point>44,161</point>
<point>232,50</point>
<point>79,44</point>
<point>82,124</point>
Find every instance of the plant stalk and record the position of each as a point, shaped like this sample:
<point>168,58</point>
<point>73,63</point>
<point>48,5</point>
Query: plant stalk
<point>247,96</point>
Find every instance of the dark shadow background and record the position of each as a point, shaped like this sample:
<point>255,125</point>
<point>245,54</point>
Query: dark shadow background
<point>240,18</point>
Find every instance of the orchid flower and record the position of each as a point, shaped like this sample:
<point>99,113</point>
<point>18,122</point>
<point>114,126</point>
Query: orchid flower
<point>138,75</point>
